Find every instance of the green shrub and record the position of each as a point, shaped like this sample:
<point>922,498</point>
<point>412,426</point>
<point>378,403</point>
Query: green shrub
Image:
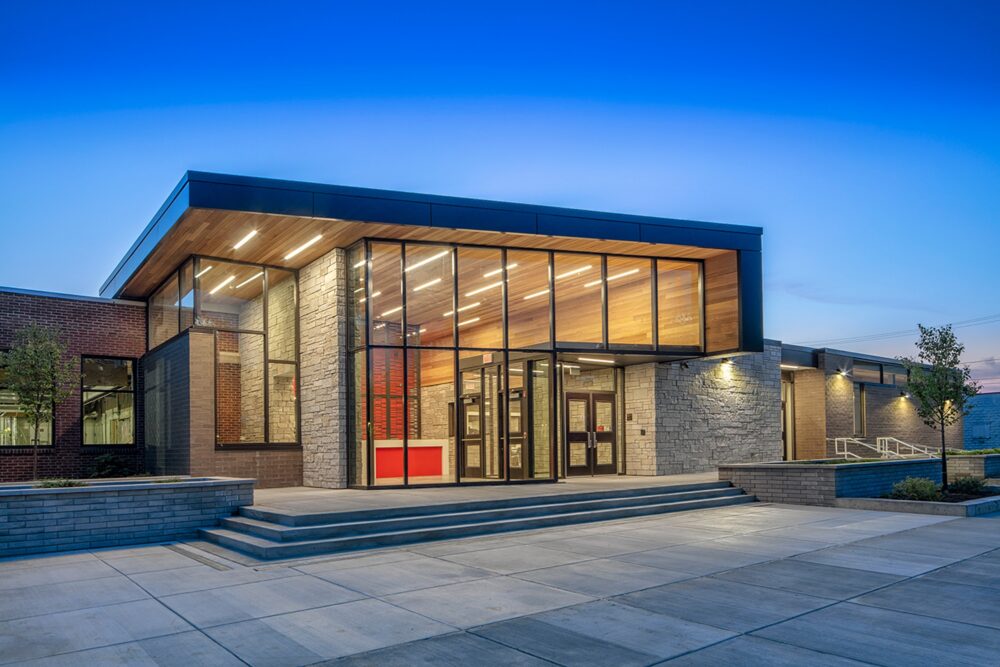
<point>112,465</point>
<point>973,452</point>
<point>58,483</point>
<point>967,486</point>
<point>915,488</point>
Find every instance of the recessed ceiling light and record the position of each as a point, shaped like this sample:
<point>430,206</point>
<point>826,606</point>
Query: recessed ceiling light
<point>428,260</point>
<point>311,242</point>
<point>573,272</point>
<point>490,274</point>
<point>427,284</point>
<point>239,244</point>
<point>474,319</point>
<point>536,294</point>
<point>363,299</point>
<point>610,278</point>
<point>596,360</point>
<point>483,289</point>
<point>391,311</point>
<point>203,271</point>
<point>452,312</point>
<point>250,280</point>
<point>222,284</point>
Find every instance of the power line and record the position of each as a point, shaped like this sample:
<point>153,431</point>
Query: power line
<point>888,335</point>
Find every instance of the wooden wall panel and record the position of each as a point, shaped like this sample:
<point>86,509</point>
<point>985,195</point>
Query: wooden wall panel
<point>722,303</point>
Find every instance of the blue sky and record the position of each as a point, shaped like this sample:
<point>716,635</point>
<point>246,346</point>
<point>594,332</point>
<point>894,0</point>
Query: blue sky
<point>863,136</point>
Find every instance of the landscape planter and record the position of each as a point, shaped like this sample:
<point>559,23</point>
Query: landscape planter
<point>114,512</point>
<point>975,507</point>
<point>818,483</point>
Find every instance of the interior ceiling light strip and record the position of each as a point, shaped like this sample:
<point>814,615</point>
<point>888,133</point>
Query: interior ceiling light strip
<point>308,244</point>
<point>490,274</point>
<point>363,299</point>
<point>595,360</point>
<point>483,289</point>
<point>242,241</point>
<point>537,294</point>
<point>452,312</point>
<point>573,272</point>
<point>359,265</point>
<point>222,284</point>
<point>250,280</point>
<point>473,320</point>
<point>391,311</point>
<point>427,284</point>
<point>427,261</point>
<point>203,271</point>
<point>614,277</point>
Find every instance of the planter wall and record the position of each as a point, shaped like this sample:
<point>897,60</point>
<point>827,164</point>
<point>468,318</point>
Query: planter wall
<point>114,513</point>
<point>978,465</point>
<point>805,483</point>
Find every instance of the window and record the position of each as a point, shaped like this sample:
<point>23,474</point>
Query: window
<point>579,301</point>
<point>860,422</point>
<point>163,312</point>
<point>15,429</point>
<point>894,375</point>
<point>678,294</point>
<point>865,372</point>
<point>630,302</point>
<point>108,391</point>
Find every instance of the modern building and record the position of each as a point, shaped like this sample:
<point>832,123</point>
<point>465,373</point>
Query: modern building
<point>333,336</point>
<point>835,401</point>
<point>982,424</point>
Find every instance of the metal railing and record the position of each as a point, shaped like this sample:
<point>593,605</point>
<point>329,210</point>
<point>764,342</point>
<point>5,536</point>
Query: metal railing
<point>842,447</point>
<point>895,447</point>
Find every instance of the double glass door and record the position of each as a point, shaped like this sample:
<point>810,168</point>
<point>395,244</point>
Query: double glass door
<point>504,431</point>
<point>590,434</point>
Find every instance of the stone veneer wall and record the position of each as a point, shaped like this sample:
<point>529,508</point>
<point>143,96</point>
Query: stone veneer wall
<point>42,520</point>
<point>707,414</point>
<point>323,358</point>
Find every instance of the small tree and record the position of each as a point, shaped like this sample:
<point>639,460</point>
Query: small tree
<point>39,375</point>
<point>940,386</point>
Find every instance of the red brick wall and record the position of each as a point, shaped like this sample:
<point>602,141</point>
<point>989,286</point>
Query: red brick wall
<point>86,327</point>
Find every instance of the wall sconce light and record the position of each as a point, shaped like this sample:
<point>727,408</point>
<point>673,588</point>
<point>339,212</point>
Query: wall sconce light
<point>904,394</point>
<point>726,360</point>
<point>844,372</point>
<point>684,365</point>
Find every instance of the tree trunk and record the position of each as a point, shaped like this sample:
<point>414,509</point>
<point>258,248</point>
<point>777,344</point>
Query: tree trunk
<point>944,462</point>
<point>34,453</point>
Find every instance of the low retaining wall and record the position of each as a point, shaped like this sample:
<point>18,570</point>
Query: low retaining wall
<point>968,508</point>
<point>112,513</point>
<point>977,465</point>
<point>813,483</point>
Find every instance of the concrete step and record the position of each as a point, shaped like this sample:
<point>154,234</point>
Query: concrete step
<point>265,548</point>
<point>279,532</point>
<point>289,518</point>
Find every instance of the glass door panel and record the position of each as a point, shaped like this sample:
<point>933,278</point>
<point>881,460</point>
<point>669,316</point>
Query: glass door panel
<point>578,435</point>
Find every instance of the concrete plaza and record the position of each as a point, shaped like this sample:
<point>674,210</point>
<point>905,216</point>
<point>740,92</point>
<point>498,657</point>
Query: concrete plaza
<point>750,585</point>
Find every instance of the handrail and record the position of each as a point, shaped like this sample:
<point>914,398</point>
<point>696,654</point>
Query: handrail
<point>841,448</point>
<point>893,446</point>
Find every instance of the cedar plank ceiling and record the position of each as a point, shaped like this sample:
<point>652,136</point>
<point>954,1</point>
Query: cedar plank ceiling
<point>213,232</point>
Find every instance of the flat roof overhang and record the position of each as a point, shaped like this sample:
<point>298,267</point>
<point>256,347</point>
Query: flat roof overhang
<point>208,213</point>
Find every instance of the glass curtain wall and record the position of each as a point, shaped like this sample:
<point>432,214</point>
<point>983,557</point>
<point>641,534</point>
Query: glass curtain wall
<point>454,350</point>
<point>252,312</point>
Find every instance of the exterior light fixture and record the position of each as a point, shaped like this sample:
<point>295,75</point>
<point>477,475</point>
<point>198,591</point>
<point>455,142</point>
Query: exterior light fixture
<point>222,284</point>
<point>203,271</point>
<point>242,241</point>
<point>250,280</point>
<point>426,261</point>
<point>308,244</point>
<point>726,360</point>
<point>595,360</point>
<point>844,372</point>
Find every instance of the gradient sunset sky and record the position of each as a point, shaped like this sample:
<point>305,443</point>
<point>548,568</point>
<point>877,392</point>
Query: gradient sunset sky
<point>863,136</point>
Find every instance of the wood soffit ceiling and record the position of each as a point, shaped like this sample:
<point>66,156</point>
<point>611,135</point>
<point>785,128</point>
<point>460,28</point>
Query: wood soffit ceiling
<point>213,232</point>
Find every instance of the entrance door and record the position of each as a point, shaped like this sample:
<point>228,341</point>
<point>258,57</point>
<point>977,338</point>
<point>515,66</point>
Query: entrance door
<point>472,436</point>
<point>519,445</point>
<point>590,434</point>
